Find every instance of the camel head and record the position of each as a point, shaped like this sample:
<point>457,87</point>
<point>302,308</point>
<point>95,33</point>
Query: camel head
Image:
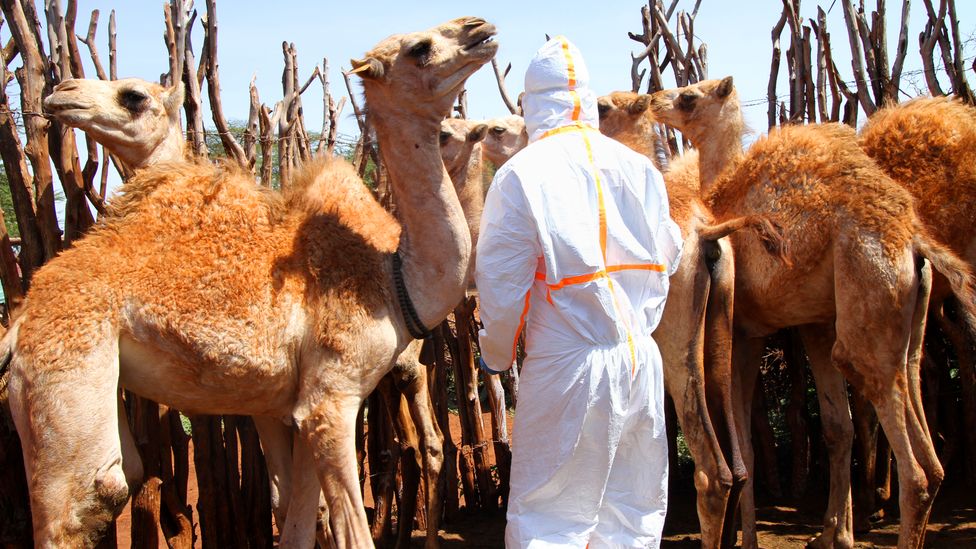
<point>624,113</point>
<point>432,64</point>
<point>458,139</point>
<point>695,108</point>
<point>137,120</point>
<point>506,136</point>
<point>625,116</point>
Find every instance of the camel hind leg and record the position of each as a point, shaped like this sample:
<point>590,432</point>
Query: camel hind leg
<point>67,415</point>
<point>882,346</point>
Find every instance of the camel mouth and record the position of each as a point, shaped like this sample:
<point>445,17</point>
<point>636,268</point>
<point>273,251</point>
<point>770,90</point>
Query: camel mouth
<point>53,105</point>
<point>481,37</point>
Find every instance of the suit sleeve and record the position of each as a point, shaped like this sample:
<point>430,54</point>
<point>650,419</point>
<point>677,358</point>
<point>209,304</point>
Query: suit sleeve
<point>508,248</point>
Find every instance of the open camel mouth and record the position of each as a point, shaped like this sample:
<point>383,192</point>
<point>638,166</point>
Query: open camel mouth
<point>483,36</point>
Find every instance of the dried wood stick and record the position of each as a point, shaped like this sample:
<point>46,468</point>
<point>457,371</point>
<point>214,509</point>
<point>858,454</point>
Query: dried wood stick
<point>113,73</point>
<point>857,58</point>
<point>252,130</point>
<point>500,79</point>
<point>902,49</point>
<point>231,146</point>
<point>89,41</point>
<point>774,68</point>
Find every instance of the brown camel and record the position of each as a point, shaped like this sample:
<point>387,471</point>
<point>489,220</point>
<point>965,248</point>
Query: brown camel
<point>695,332</point>
<point>928,145</point>
<point>277,299</point>
<point>857,286</point>
<point>506,136</point>
<point>99,107</point>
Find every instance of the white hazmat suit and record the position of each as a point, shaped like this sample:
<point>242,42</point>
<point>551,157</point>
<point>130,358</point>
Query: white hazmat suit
<point>576,247</point>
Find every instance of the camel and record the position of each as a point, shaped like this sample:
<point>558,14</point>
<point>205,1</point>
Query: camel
<point>506,136</point>
<point>138,121</point>
<point>857,287</point>
<point>695,333</point>
<point>282,333</point>
<point>461,150</point>
<point>928,145</point>
<point>97,106</point>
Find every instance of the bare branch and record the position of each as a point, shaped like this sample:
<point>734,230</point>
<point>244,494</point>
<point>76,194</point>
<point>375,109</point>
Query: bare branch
<point>113,72</point>
<point>231,146</point>
<point>774,68</point>
<point>857,63</point>
<point>89,41</point>
<point>902,49</point>
<point>500,79</point>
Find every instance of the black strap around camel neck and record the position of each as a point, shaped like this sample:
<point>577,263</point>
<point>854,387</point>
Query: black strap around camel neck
<point>409,312</point>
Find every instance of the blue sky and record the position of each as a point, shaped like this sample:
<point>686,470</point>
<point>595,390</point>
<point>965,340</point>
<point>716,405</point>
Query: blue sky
<point>251,32</point>
<point>737,34</point>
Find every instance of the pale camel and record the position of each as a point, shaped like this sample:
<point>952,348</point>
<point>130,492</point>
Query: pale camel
<point>275,301</point>
<point>462,144</point>
<point>104,109</point>
<point>857,287</point>
<point>138,121</point>
<point>695,333</point>
<point>506,136</point>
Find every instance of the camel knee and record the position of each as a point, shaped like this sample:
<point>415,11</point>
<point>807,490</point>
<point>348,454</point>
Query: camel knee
<point>838,433</point>
<point>112,487</point>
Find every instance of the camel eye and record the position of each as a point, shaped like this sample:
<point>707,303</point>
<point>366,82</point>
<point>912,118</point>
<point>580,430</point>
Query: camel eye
<point>445,136</point>
<point>687,100</point>
<point>133,100</point>
<point>421,51</point>
<point>498,131</point>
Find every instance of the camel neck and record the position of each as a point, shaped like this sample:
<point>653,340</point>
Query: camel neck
<point>171,149</point>
<point>718,153</point>
<point>435,244</point>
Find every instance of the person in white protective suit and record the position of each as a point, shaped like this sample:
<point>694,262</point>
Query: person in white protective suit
<point>576,247</point>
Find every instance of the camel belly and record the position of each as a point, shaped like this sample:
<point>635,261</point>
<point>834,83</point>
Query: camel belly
<point>247,387</point>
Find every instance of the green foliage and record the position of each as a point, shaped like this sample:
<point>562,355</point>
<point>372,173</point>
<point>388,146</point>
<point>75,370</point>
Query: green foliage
<point>7,203</point>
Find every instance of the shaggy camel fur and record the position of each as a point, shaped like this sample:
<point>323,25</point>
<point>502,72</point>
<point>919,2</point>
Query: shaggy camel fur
<point>276,300</point>
<point>695,332</point>
<point>506,136</point>
<point>857,287</point>
<point>99,107</point>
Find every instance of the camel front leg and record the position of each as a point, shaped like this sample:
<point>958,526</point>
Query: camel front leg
<point>67,417</point>
<point>329,429</point>
<point>838,433</point>
<point>411,380</point>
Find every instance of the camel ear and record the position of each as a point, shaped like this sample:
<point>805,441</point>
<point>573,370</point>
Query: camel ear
<point>725,87</point>
<point>173,98</point>
<point>370,67</point>
<point>477,133</point>
<point>639,105</point>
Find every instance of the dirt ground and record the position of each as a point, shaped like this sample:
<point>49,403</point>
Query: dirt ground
<point>953,525</point>
<point>953,522</point>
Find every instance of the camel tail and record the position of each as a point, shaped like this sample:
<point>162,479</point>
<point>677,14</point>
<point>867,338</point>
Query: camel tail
<point>956,272</point>
<point>770,233</point>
